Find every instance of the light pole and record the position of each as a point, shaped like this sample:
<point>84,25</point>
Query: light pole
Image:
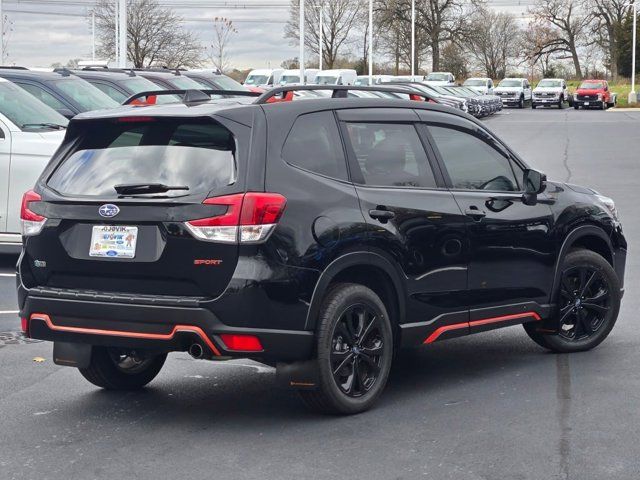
<point>122,45</point>
<point>321,7</point>
<point>370,42</point>
<point>301,59</point>
<point>93,35</point>
<point>117,32</point>
<point>413,39</point>
<point>1,35</point>
<point>633,98</point>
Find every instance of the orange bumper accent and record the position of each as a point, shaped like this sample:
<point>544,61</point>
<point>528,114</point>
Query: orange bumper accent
<point>118,333</point>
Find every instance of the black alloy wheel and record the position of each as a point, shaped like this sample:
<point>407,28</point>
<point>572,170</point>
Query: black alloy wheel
<point>588,302</point>
<point>354,351</point>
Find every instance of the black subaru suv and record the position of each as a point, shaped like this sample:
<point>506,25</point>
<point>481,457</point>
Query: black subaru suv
<point>319,236</point>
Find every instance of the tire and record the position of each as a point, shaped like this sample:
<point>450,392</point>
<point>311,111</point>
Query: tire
<point>341,345</point>
<point>104,370</point>
<point>591,325</point>
<point>561,103</point>
<point>533,106</point>
<point>521,102</point>
<point>576,106</point>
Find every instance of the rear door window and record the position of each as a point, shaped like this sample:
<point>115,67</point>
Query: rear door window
<point>314,144</point>
<point>198,154</point>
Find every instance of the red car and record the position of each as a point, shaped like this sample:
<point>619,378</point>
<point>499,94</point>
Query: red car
<point>594,93</point>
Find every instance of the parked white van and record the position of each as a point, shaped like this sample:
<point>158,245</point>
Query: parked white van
<point>30,133</point>
<point>440,79</point>
<point>336,77</point>
<point>264,77</point>
<point>363,80</point>
<point>483,85</point>
<point>292,77</point>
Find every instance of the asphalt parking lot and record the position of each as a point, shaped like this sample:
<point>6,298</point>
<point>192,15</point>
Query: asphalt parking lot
<point>490,406</point>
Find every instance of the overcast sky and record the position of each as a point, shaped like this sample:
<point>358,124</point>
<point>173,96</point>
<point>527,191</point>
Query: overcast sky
<point>40,39</point>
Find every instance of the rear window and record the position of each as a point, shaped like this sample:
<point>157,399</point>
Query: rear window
<point>198,154</point>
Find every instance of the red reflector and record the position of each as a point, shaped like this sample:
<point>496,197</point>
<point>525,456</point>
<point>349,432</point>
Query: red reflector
<point>134,119</point>
<point>241,343</point>
<point>24,324</point>
<point>25,213</point>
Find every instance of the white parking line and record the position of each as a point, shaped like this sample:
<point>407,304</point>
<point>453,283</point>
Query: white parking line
<point>8,312</point>
<point>7,274</point>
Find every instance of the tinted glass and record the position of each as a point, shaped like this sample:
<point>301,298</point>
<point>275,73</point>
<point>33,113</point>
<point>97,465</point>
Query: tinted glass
<point>314,144</point>
<point>25,111</point>
<point>472,163</point>
<point>117,95</point>
<point>186,83</point>
<point>198,154</point>
<point>85,95</point>
<point>257,80</point>
<point>42,95</point>
<point>390,155</point>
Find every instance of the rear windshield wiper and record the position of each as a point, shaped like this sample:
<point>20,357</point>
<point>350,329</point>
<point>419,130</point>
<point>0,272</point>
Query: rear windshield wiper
<point>43,125</point>
<point>146,188</point>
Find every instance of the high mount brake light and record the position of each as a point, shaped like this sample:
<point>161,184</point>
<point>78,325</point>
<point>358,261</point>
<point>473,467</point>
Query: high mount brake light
<point>32,223</point>
<point>249,218</point>
<point>134,119</point>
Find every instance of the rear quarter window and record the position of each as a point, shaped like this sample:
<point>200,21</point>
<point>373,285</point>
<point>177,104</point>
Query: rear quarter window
<point>197,153</point>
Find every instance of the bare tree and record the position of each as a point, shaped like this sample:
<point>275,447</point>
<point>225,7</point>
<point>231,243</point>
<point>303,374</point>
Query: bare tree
<point>5,36</point>
<point>155,35</point>
<point>437,23</point>
<point>494,39</point>
<point>608,16</point>
<point>339,18</point>
<point>558,26</point>
<point>223,31</point>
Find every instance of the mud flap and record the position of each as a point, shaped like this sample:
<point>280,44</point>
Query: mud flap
<point>72,354</point>
<point>298,375</point>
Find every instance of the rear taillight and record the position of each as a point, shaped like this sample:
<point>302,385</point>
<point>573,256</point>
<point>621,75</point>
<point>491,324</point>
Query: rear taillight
<point>250,218</point>
<point>241,343</point>
<point>32,223</point>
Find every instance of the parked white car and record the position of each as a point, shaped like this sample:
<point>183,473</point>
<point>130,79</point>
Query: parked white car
<point>514,91</point>
<point>336,77</point>
<point>550,91</point>
<point>292,77</point>
<point>440,79</point>
<point>264,77</point>
<point>482,85</point>
<point>30,133</point>
<point>363,80</point>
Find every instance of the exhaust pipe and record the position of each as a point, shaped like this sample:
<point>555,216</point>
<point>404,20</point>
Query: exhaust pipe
<point>196,351</point>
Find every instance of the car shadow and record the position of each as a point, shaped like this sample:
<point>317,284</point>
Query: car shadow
<point>240,393</point>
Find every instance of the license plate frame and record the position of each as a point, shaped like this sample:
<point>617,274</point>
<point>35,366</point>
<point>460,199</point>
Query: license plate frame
<point>113,241</point>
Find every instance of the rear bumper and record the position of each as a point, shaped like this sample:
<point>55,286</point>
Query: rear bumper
<point>161,328</point>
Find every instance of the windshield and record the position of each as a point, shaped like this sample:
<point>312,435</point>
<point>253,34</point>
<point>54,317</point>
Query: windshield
<point>550,84</point>
<point>257,80</point>
<point>592,85</point>
<point>475,83</point>
<point>195,153</point>
<point>26,111</point>
<point>439,77</point>
<point>85,95</point>
<point>326,80</point>
<point>510,83</point>
<point>186,83</point>
<point>289,79</point>
<point>227,83</point>
<point>362,81</point>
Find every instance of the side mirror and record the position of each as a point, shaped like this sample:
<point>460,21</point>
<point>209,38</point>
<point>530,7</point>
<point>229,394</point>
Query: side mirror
<point>535,183</point>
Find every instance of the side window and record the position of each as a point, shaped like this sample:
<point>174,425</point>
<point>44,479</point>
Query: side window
<point>314,145</point>
<point>390,155</point>
<point>472,163</point>
<point>112,92</point>
<point>42,95</point>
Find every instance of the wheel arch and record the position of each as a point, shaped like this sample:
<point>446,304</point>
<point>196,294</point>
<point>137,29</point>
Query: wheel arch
<point>369,269</point>
<point>588,237</point>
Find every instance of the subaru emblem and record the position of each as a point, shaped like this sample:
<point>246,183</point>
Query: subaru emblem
<point>108,210</point>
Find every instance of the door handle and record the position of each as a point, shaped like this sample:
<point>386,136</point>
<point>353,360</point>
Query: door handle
<point>474,213</point>
<point>382,215</point>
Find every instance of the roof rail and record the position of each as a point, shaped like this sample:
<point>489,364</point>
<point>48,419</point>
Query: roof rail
<point>189,97</point>
<point>339,91</point>
<point>12,67</point>
<point>175,71</point>
<point>64,71</point>
<point>128,71</point>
